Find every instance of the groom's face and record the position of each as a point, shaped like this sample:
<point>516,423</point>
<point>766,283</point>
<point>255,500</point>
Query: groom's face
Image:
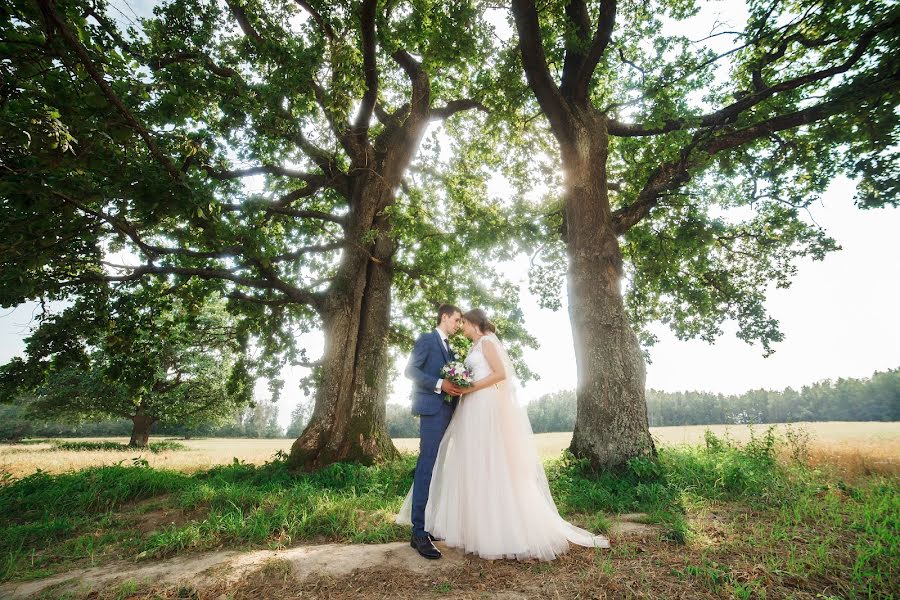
<point>451,323</point>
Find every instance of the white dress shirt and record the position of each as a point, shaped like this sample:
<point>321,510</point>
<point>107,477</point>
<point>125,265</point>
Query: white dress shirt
<point>440,382</point>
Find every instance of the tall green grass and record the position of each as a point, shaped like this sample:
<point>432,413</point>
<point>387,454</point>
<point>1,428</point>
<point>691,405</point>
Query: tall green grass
<point>45,519</point>
<point>50,521</point>
<point>719,470</point>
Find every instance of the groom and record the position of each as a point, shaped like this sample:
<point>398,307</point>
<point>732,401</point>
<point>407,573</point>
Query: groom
<point>430,354</point>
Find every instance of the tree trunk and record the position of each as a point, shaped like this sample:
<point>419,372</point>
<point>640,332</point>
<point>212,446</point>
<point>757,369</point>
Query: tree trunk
<point>140,431</point>
<point>348,421</point>
<point>611,424</point>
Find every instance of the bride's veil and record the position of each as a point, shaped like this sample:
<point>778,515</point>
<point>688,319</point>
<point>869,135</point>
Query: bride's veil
<point>524,435</point>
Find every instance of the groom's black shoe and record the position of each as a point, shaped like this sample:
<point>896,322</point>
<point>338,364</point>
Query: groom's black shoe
<point>432,538</point>
<point>423,546</point>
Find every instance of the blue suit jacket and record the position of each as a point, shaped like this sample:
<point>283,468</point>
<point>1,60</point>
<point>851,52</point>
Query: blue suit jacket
<point>428,357</point>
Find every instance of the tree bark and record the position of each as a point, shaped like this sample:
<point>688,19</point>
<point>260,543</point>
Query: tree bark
<point>348,422</point>
<point>611,426</point>
<point>140,431</point>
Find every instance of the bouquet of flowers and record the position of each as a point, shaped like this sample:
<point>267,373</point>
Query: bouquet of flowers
<point>456,373</point>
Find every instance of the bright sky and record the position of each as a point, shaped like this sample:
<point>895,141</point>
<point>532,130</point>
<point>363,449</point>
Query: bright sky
<point>840,317</point>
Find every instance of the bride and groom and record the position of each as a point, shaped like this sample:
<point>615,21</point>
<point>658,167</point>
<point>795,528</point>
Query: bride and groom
<point>479,483</point>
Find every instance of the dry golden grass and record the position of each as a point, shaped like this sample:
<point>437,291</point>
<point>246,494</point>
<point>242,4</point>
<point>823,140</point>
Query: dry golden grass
<point>856,448</point>
<point>20,459</point>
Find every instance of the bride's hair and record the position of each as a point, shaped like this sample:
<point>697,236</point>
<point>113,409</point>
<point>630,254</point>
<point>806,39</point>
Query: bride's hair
<point>479,319</point>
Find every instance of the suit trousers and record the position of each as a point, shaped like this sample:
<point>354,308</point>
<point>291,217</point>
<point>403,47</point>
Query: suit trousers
<point>431,431</point>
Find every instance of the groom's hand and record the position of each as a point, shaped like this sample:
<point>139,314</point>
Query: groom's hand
<point>450,388</point>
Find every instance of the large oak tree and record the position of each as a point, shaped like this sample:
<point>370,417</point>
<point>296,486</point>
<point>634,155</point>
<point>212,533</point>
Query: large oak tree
<point>264,147</point>
<point>660,135</point>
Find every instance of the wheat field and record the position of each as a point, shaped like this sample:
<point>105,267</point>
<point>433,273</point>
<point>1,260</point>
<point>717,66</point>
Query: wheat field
<point>869,447</point>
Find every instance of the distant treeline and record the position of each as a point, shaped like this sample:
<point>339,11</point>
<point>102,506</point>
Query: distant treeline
<point>873,399</point>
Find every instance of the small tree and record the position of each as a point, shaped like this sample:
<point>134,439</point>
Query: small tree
<point>149,361</point>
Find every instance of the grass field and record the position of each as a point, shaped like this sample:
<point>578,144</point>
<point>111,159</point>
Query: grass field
<point>765,513</point>
<point>859,447</point>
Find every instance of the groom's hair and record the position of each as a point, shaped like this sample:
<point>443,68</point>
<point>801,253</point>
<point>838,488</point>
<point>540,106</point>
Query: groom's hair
<point>447,309</point>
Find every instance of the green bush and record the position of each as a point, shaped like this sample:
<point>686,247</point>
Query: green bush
<point>154,447</point>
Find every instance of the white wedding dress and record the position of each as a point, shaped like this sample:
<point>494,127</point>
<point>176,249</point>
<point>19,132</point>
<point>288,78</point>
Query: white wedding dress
<point>489,494</point>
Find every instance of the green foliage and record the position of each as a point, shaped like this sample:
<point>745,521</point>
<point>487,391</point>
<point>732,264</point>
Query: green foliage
<point>140,353</point>
<point>553,412</point>
<point>86,493</point>
<point>239,168</point>
<point>155,447</point>
<point>401,422</point>
<point>454,234</point>
<point>47,522</point>
<point>259,421</point>
<point>241,504</point>
<point>721,471</point>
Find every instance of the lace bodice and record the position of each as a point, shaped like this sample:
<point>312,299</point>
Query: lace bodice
<point>476,361</point>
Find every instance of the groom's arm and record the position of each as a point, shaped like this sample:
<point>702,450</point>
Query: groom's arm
<point>417,361</point>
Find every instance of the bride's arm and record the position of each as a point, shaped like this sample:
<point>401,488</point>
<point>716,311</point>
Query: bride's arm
<point>498,371</point>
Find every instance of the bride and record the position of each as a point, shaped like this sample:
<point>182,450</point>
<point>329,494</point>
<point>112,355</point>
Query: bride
<point>489,494</point>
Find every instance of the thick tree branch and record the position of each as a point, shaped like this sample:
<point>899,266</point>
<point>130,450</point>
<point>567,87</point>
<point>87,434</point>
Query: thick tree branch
<point>806,116</point>
<point>270,280</point>
<point>157,63</point>
<point>673,174</point>
<point>420,98</point>
<point>576,45</point>
<point>339,129</point>
<point>123,227</point>
<point>312,249</point>
<point>370,71</point>
<point>667,176</point>
<point>296,294</point>
<point>239,295</point>
<point>392,119</point>
<point>244,23</point>
<point>410,65</point>
<point>228,174</point>
<point>275,208</point>
<point>323,25</point>
<point>537,72</point>
<point>454,106</point>
<point>605,25</point>
<point>342,131</point>
<point>140,271</point>
<point>323,159</point>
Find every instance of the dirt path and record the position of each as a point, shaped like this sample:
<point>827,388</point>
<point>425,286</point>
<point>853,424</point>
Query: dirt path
<point>222,568</point>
